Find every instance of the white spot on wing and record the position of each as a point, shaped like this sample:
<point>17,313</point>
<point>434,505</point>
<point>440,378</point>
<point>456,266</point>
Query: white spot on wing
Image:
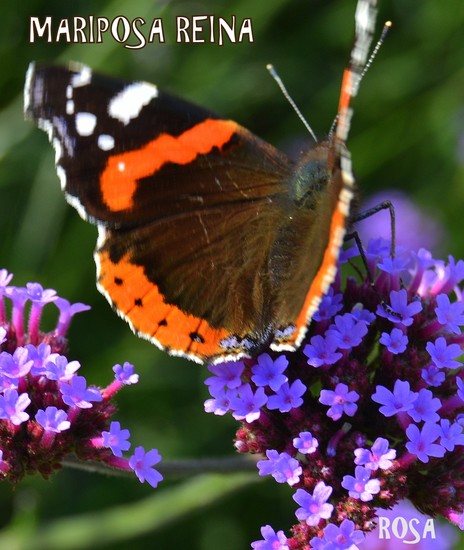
<point>62,175</point>
<point>121,166</point>
<point>27,86</point>
<point>102,236</point>
<point>85,123</point>
<point>70,107</point>
<point>76,203</point>
<point>105,142</point>
<point>82,78</point>
<point>130,101</point>
<point>58,149</point>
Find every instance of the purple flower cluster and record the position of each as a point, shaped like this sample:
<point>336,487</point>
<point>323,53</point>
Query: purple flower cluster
<point>369,411</point>
<point>47,410</point>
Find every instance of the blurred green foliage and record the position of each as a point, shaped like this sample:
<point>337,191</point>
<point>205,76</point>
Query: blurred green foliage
<point>408,133</point>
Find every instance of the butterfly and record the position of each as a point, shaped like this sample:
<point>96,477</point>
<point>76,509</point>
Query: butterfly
<point>212,244</point>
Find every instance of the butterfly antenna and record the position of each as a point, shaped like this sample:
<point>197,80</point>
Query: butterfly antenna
<point>386,27</point>
<point>287,96</point>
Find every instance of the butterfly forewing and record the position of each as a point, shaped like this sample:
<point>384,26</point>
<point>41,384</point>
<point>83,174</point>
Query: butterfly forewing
<point>212,244</point>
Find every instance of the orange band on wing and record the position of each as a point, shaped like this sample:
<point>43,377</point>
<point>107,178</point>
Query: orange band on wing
<point>346,90</point>
<point>141,303</point>
<point>119,179</point>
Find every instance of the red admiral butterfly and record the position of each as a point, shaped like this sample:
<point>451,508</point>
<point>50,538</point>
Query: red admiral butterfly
<point>212,243</point>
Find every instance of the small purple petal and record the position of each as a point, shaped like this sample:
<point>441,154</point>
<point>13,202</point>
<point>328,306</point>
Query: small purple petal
<point>116,439</point>
<point>288,397</point>
<point>361,486</point>
<point>314,507</point>
<point>142,463</point>
<point>422,442</point>
<point>306,443</point>
<point>269,372</point>
<point>442,354</point>
<point>76,393</point>
<point>401,399</point>
<point>53,420</point>
<point>341,401</point>
<point>272,540</point>
<point>125,374</point>
<point>396,342</point>
<point>282,467</point>
<point>247,405</point>
<point>12,406</point>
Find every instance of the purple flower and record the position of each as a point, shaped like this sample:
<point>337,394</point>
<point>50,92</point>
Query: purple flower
<point>227,375</point>
<point>12,406</point>
<point>322,351</point>
<point>272,540</point>
<point>348,331</point>
<point>314,507</point>
<point>379,456</point>
<point>433,375</point>
<point>67,311</point>
<point>378,248</point>
<point>60,369</point>
<point>342,537</point>
<point>401,311</point>
<point>16,365</point>
<point>425,407</point>
<point>53,419</point>
<point>457,518</point>
<point>422,442</point>
<point>450,314</point>
<point>361,486</point>
<point>247,405</point>
<point>396,342</point>
<point>76,393</point>
<point>360,313</point>
<point>451,434</point>
<point>341,401</point>
<point>125,374</point>
<point>395,266</point>
<point>269,372</point>
<point>306,443</point>
<point>142,463</point>
<point>40,355</point>
<point>8,383</point>
<point>18,297</point>
<point>288,397</point>
<point>443,355</point>
<point>41,368</point>
<point>116,439</point>
<point>330,305</point>
<point>36,293</point>
<point>449,277</point>
<point>220,403</point>
<point>282,467</point>
<point>346,254</point>
<point>5,279</point>
<point>402,398</point>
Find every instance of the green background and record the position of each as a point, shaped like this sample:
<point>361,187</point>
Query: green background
<point>408,134</point>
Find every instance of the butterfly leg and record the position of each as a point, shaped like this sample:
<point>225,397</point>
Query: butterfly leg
<point>385,205</point>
